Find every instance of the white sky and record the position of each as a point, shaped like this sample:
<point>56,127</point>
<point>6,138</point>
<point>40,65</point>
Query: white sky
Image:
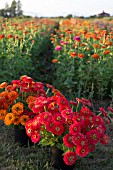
<point>63,7</point>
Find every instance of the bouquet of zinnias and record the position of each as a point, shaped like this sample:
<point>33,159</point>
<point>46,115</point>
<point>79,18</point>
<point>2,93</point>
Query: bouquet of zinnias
<point>16,100</point>
<point>50,119</point>
<point>69,125</point>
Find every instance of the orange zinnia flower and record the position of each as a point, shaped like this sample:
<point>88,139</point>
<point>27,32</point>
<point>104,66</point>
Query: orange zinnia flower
<point>16,120</point>
<point>83,45</point>
<point>9,36</point>
<point>106,51</point>
<point>96,45</point>
<point>109,43</point>
<point>9,87</point>
<point>12,95</point>
<point>81,55</point>
<point>73,54</point>
<point>24,119</point>
<point>4,94</point>
<point>31,104</point>
<point>18,108</point>
<point>9,119</point>
<point>55,61</point>
<point>96,56</point>
<point>30,99</point>
<point>3,85</point>
<point>2,114</point>
<point>4,106</point>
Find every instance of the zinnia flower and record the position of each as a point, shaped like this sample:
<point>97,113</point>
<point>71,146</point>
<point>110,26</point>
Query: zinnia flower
<point>76,38</point>
<point>70,158</point>
<point>67,139</point>
<point>82,151</point>
<point>9,118</point>
<point>24,119</point>
<point>35,137</point>
<point>58,48</point>
<point>2,114</point>
<point>93,136</point>
<point>18,108</point>
<point>58,129</point>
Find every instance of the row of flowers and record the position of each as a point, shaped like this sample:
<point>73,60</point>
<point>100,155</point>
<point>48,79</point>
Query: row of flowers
<point>83,58</point>
<point>50,119</point>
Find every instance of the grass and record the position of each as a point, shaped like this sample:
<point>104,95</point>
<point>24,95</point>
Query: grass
<point>14,157</point>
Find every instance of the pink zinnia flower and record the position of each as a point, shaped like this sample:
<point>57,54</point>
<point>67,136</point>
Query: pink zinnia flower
<point>58,48</point>
<point>76,38</point>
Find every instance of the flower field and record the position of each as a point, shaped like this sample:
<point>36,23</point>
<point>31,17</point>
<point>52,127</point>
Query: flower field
<point>83,58</point>
<point>25,48</point>
<point>56,82</point>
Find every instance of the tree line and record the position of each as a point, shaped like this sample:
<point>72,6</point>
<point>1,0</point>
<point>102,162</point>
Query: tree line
<point>12,11</point>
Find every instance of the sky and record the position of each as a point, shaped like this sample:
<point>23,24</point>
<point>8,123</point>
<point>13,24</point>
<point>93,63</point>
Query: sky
<point>53,8</point>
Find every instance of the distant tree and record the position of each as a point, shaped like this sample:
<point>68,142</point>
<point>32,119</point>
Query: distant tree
<point>2,12</point>
<point>69,16</point>
<point>60,17</point>
<point>19,8</point>
<point>6,10</point>
<point>13,8</point>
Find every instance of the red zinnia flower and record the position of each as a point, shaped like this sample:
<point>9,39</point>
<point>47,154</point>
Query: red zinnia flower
<point>58,118</point>
<point>74,128</point>
<point>45,117</point>
<point>41,101</point>
<point>91,147</point>
<point>97,120</point>
<point>93,136</point>
<point>101,130</point>
<point>86,112</point>
<point>58,129</point>
<point>76,138</point>
<point>63,103</point>
<point>67,139</point>
<point>104,140</point>
<point>82,151</point>
<point>110,109</point>
<point>35,137</point>
<point>2,36</point>
<point>70,158</point>
<point>66,113</point>
<point>29,131</point>
<point>36,123</point>
<point>103,111</point>
<point>49,126</point>
<point>37,108</point>
<point>82,142</point>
